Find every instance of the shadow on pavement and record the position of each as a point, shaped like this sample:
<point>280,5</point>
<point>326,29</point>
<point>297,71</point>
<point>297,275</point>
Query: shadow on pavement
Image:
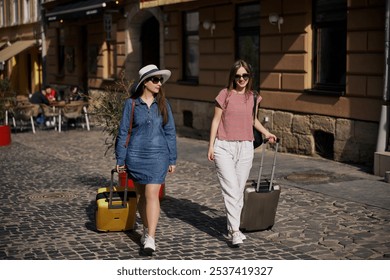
<point>201,217</point>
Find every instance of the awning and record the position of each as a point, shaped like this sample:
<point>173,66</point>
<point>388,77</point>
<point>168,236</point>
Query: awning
<point>154,3</point>
<point>77,9</point>
<point>15,49</point>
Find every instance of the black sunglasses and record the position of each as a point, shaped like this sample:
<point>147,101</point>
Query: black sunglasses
<point>244,76</point>
<point>155,80</point>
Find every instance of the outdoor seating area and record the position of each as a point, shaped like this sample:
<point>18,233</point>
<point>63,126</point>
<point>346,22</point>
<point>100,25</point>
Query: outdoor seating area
<point>59,115</point>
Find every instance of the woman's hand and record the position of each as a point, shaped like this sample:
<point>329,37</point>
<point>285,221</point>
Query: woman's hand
<point>120,168</point>
<point>171,168</point>
<point>271,137</point>
<point>210,153</point>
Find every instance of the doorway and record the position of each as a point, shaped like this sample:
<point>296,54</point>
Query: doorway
<point>150,42</point>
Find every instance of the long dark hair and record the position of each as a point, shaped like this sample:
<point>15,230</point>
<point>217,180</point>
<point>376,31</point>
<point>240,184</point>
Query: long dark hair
<point>232,81</point>
<point>160,98</point>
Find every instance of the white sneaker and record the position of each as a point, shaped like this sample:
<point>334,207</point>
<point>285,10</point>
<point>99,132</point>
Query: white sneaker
<point>150,245</point>
<point>144,235</point>
<point>243,237</point>
<point>236,238</point>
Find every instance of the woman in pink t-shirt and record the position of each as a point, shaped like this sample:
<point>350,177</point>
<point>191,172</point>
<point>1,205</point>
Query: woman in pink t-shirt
<point>231,142</point>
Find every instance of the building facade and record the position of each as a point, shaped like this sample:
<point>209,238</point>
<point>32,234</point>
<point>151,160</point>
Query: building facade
<point>21,45</point>
<point>319,65</point>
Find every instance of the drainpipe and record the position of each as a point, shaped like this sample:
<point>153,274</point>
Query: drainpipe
<point>383,132</point>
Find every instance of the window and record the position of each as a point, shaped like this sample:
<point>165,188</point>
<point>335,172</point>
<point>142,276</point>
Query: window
<point>248,38</point>
<point>15,12</point>
<point>37,9</point>
<point>26,11</point>
<point>2,15</point>
<point>329,46</point>
<point>191,47</point>
<point>61,51</point>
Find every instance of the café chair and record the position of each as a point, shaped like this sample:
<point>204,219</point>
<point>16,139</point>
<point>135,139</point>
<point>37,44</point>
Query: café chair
<point>51,113</point>
<point>75,111</point>
<point>24,113</point>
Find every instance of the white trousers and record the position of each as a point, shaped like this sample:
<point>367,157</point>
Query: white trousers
<point>233,162</point>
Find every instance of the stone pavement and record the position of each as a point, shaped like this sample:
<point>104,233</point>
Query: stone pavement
<point>327,210</point>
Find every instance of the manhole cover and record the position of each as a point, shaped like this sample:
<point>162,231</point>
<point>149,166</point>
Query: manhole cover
<point>308,177</point>
<point>52,196</point>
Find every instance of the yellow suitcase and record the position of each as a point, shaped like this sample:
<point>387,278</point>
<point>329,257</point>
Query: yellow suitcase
<point>116,208</point>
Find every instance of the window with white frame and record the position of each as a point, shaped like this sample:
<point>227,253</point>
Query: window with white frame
<point>15,12</point>
<point>2,15</point>
<point>26,11</point>
<point>329,47</point>
<point>191,47</point>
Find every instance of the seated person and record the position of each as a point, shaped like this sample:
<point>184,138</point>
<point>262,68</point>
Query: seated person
<point>74,93</point>
<point>39,97</point>
<point>51,95</point>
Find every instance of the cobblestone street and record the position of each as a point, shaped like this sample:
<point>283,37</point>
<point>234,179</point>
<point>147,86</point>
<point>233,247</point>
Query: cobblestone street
<point>49,183</point>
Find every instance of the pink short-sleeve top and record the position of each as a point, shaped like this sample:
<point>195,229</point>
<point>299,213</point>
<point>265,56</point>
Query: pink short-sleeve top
<point>237,116</point>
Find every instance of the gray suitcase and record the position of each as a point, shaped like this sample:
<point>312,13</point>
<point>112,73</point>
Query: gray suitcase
<point>260,199</point>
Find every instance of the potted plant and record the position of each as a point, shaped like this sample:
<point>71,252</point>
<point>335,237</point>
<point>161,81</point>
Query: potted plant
<point>5,104</point>
<point>107,109</point>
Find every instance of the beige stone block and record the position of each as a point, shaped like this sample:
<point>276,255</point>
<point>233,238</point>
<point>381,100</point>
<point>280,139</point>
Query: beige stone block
<point>375,86</point>
<point>270,6</point>
<point>375,40</point>
<point>356,85</point>
<point>206,77</point>
<point>289,142</point>
<point>220,62</point>
<point>344,129</point>
<point>224,12</point>
<point>297,6</point>
<point>224,45</point>
<point>282,121</point>
<point>206,46</point>
<point>270,80</point>
<point>323,123</point>
<point>301,124</point>
<point>271,44</point>
<point>293,81</point>
<point>346,151</point>
<point>366,132</point>
<point>365,63</point>
<point>357,41</point>
<point>306,144</point>
<point>279,62</point>
<point>368,18</point>
<point>294,43</point>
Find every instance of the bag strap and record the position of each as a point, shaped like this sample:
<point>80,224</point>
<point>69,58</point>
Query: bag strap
<point>255,107</point>
<point>131,123</point>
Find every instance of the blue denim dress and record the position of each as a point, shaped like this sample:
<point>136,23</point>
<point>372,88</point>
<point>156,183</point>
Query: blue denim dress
<point>152,145</point>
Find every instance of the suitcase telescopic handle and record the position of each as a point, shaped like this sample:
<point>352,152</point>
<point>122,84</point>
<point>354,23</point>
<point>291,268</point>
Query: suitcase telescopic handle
<point>273,164</point>
<point>124,202</point>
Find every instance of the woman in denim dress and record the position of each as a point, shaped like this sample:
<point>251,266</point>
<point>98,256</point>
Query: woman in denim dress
<point>151,152</point>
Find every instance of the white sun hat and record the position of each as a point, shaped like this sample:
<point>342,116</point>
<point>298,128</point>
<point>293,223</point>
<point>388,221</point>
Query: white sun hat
<point>150,71</point>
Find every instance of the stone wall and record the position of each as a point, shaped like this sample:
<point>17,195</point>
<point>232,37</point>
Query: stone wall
<point>351,140</point>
